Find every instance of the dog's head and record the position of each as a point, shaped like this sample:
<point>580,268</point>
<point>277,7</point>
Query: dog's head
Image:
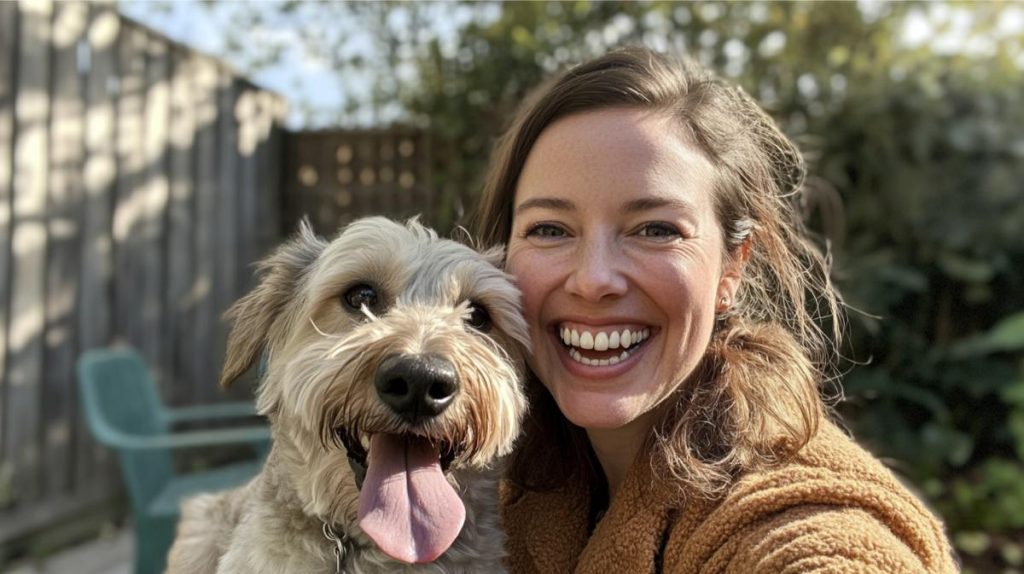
<point>391,347</point>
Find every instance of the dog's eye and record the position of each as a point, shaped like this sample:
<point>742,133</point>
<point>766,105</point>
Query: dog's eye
<point>479,318</point>
<point>360,295</point>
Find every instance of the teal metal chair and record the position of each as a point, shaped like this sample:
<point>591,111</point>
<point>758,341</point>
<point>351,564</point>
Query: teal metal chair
<point>124,412</point>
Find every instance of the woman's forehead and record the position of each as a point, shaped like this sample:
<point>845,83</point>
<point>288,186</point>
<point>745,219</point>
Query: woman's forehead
<point>635,159</point>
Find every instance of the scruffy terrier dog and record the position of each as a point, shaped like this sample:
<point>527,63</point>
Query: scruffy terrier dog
<point>393,363</point>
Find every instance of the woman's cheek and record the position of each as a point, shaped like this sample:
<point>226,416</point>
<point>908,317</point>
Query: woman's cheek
<point>524,269</point>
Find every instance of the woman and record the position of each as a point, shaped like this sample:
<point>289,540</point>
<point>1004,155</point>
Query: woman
<point>675,307</point>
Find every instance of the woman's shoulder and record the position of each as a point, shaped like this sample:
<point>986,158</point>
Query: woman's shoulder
<point>831,506</point>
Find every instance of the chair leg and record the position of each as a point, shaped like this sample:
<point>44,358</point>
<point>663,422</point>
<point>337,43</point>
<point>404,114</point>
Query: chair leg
<point>153,538</point>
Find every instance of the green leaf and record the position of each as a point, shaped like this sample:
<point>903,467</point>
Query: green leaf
<point>973,543</point>
<point>1005,336</point>
<point>966,269</point>
<point>956,446</point>
<point>1008,333</point>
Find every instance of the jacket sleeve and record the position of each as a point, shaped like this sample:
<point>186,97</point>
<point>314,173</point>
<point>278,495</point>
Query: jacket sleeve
<point>819,539</point>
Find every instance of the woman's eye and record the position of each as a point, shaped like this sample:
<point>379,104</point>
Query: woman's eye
<point>359,295</point>
<point>658,230</point>
<point>479,318</point>
<point>545,230</point>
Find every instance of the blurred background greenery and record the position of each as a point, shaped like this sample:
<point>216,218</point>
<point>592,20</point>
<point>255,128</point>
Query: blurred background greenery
<point>912,119</point>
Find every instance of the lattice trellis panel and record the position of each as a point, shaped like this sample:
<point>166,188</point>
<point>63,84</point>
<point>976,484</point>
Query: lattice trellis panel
<point>335,177</point>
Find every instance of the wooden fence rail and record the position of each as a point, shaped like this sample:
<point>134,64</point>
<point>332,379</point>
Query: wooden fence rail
<point>138,181</point>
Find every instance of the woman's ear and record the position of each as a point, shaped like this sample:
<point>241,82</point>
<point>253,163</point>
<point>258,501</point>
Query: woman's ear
<point>732,277</point>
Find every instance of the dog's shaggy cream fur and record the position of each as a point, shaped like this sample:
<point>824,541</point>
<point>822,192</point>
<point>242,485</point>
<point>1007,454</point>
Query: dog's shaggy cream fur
<point>321,356</point>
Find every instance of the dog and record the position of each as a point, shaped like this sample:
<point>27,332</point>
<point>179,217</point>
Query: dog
<point>392,367</point>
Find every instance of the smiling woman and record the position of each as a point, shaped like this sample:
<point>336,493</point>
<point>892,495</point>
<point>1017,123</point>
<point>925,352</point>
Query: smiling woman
<point>675,306</point>
<point>614,234</point>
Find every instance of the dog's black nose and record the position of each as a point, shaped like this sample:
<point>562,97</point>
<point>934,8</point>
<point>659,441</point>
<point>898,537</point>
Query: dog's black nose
<point>416,387</point>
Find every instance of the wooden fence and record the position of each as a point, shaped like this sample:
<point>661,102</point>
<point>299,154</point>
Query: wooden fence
<point>335,176</point>
<point>138,181</point>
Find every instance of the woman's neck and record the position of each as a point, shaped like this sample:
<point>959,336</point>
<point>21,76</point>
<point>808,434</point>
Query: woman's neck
<point>617,448</point>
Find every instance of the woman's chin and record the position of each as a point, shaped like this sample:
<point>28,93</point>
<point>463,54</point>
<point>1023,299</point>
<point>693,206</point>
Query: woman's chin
<point>593,413</point>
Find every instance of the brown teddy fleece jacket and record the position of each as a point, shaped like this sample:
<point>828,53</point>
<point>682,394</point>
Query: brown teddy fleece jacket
<point>832,508</point>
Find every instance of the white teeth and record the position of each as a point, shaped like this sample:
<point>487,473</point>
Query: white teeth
<point>586,340</point>
<point>602,341</point>
<point>576,356</point>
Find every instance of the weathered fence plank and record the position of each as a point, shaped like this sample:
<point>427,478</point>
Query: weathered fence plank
<point>95,308</point>
<point>63,220</point>
<point>130,209</point>
<point>154,197</point>
<point>269,159</point>
<point>8,45</point>
<point>180,304</point>
<point>247,116</point>
<point>28,245</point>
<point>205,102</point>
<point>226,238</point>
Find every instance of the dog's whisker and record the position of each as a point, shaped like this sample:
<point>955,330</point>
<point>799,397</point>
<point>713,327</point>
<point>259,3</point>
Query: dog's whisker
<point>343,347</point>
<point>359,339</point>
<point>366,311</point>
<point>317,329</point>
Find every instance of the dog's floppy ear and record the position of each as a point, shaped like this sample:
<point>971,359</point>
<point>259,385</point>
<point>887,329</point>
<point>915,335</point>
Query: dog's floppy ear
<point>495,256</point>
<point>253,315</point>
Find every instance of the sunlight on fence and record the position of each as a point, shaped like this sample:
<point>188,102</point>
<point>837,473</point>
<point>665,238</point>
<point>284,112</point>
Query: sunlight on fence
<point>138,182</point>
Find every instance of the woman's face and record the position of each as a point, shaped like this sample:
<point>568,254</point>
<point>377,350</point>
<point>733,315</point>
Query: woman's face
<point>619,255</point>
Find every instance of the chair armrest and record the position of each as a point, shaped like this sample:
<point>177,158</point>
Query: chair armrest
<point>177,415</point>
<point>181,440</point>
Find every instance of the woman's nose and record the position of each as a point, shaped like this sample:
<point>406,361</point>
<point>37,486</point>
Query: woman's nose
<point>597,272</point>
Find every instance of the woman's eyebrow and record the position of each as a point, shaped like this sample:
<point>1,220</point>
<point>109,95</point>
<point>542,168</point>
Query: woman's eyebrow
<point>648,203</point>
<point>545,203</point>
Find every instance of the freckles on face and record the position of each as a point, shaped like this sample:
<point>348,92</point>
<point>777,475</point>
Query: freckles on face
<point>618,253</point>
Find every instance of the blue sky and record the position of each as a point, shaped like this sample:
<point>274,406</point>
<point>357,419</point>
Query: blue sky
<point>307,80</point>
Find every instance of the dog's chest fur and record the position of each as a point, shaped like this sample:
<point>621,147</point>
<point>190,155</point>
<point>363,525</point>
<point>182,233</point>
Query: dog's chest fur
<point>246,527</point>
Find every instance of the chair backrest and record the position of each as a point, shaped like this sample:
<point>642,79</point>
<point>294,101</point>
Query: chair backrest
<point>119,397</point>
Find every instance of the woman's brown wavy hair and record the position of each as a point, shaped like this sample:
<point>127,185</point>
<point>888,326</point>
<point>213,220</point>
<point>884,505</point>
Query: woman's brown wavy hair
<point>755,399</point>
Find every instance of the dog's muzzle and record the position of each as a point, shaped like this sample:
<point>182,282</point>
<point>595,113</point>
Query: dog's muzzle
<point>416,387</point>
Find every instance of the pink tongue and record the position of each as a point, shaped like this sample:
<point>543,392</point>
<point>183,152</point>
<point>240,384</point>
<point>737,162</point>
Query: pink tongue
<point>406,506</point>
